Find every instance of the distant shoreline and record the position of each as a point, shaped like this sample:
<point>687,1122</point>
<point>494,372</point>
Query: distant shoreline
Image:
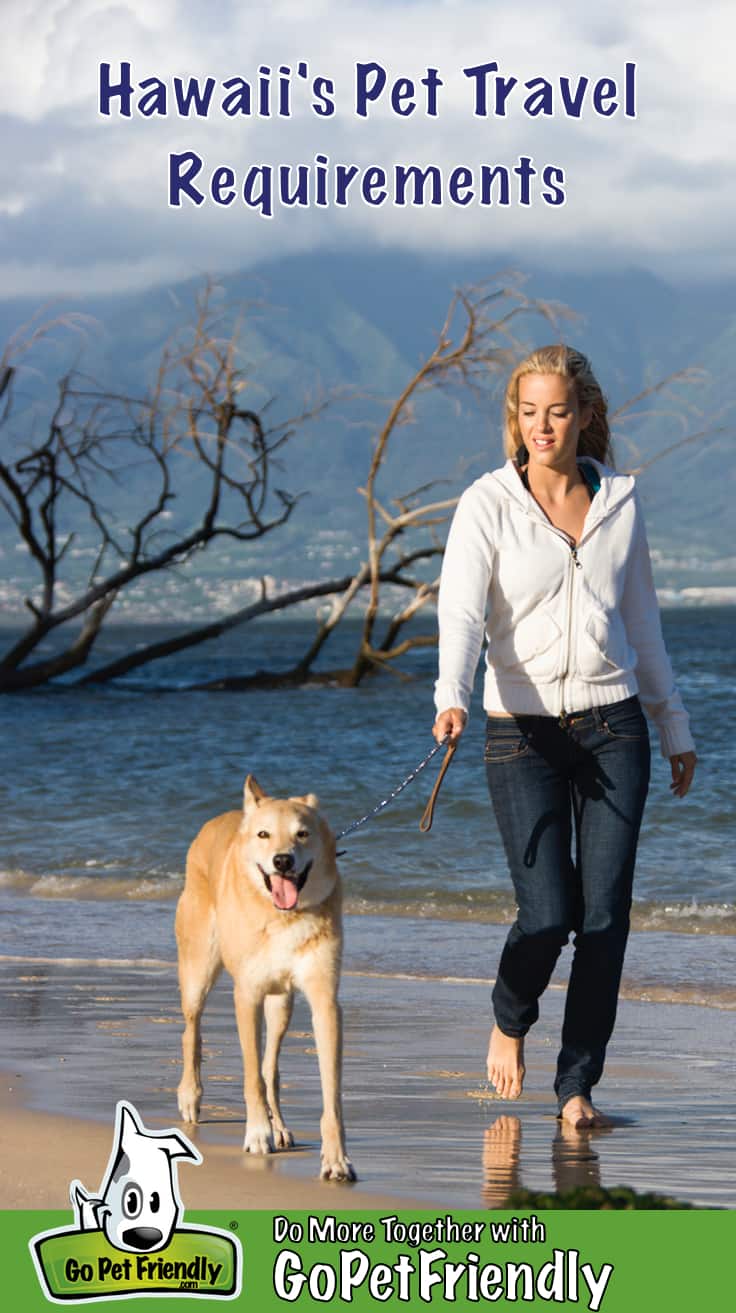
<point>695,597</point>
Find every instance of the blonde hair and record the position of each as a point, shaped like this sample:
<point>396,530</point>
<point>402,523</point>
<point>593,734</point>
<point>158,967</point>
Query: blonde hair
<point>595,438</point>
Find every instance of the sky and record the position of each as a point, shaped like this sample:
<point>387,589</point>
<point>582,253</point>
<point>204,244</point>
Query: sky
<point>84,206</point>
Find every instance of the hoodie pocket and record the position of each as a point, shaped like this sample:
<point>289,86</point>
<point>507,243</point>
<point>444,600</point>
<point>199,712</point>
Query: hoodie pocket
<point>604,646</point>
<point>533,645</point>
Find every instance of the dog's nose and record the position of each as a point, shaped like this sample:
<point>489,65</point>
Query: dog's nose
<point>283,862</point>
<point>143,1237</point>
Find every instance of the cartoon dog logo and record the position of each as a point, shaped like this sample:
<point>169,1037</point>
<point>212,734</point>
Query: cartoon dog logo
<point>138,1212</point>
<point>138,1205</point>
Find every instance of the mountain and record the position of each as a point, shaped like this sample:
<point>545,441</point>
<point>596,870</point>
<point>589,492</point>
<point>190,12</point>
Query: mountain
<point>355,326</point>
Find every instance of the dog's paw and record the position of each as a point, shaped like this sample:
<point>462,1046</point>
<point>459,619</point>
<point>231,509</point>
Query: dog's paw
<point>258,1139</point>
<point>282,1138</point>
<point>339,1168</point>
<point>189,1104</point>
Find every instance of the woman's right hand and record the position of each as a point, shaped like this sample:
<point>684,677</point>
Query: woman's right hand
<point>451,722</point>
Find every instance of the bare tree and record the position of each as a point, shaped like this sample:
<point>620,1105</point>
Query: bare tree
<point>475,344</point>
<point>682,415</point>
<point>191,431</point>
<point>193,428</point>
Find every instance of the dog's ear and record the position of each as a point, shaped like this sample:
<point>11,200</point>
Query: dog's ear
<point>252,793</point>
<point>177,1146</point>
<point>309,800</point>
<point>129,1127</point>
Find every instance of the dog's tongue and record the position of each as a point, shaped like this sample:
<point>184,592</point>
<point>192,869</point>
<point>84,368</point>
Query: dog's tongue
<point>283,892</point>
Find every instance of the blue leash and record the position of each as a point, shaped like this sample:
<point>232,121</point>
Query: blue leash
<point>427,818</point>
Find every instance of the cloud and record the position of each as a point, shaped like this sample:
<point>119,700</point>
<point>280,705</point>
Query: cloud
<point>84,207</point>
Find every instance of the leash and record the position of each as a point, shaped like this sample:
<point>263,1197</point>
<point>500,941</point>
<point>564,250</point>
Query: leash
<point>426,821</point>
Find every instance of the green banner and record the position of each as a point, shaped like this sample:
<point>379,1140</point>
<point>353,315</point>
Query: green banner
<point>82,1265</point>
<point>617,1261</point>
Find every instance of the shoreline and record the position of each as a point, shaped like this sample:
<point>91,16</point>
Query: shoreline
<point>668,966</point>
<point>423,1128</point>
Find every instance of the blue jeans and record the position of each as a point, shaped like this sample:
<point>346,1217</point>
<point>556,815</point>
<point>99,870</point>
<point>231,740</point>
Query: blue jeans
<point>568,798</point>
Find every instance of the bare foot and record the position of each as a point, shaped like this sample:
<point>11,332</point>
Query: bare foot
<point>580,1113</point>
<point>506,1064</point>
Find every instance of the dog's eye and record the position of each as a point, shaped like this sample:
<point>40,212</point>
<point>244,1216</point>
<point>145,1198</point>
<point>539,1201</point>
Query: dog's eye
<point>132,1200</point>
<point>155,1202</point>
<point>302,834</point>
<point>263,834</point>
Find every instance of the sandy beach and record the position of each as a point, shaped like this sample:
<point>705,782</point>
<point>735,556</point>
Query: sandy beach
<point>424,1129</point>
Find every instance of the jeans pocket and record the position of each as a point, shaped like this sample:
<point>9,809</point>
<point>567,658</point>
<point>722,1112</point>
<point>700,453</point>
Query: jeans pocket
<point>504,742</point>
<point>625,721</point>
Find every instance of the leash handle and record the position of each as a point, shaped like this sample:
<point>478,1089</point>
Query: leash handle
<point>428,815</point>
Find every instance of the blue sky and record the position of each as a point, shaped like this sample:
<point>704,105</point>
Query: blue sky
<point>84,202</point>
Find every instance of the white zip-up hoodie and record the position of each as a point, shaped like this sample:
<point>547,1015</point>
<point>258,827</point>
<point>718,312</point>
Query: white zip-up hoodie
<point>568,628</point>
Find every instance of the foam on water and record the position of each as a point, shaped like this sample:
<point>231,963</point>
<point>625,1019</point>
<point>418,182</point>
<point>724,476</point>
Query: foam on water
<point>66,886</point>
<point>722,998</point>
<point>496,908</point>
<point>128,963</point>
<point>488,907</point>
<point>87,887</point>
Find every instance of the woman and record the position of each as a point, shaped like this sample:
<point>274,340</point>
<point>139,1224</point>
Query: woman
<point>550,552</point>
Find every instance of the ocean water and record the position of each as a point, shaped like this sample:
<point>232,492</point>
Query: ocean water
<point>105,788</point>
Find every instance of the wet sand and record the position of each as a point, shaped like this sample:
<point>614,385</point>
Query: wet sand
<point>44,1152</point>
<point>424,1129</point>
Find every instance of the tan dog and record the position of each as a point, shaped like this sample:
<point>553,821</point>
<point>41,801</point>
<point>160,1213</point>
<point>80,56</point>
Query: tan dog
<point>263,898</point>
